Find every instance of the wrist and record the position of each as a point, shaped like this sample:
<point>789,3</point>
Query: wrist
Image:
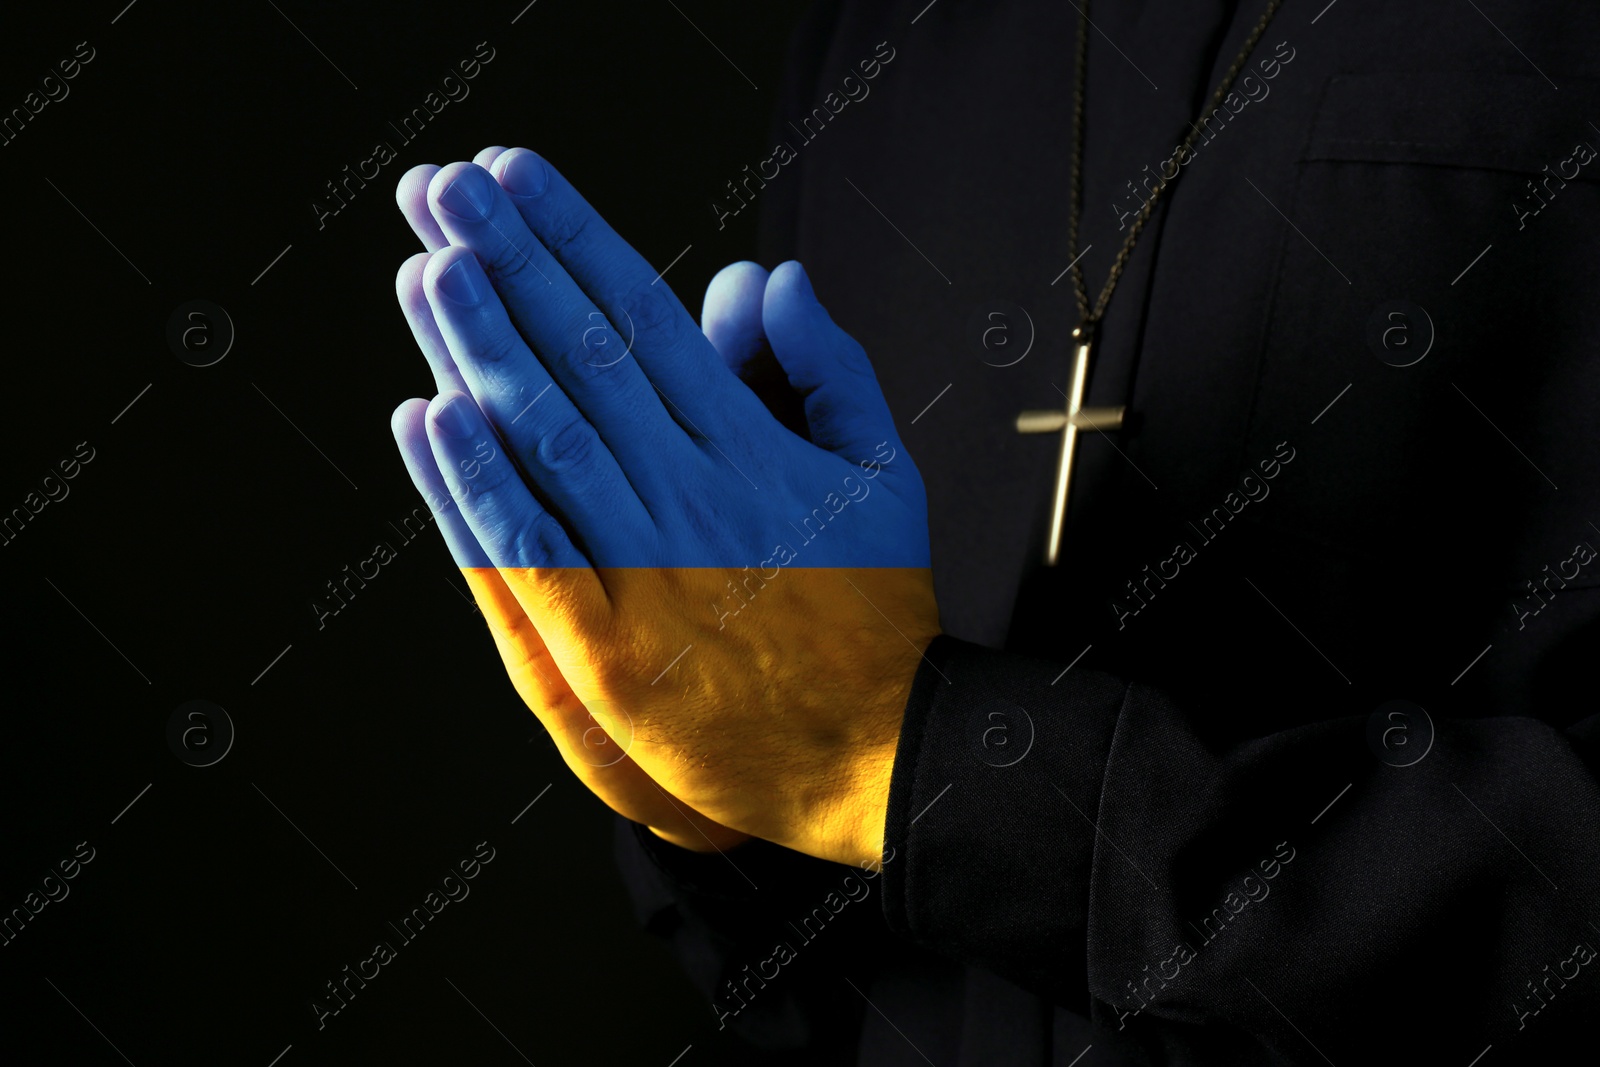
<point>855,824</point>
<point>846,822</point>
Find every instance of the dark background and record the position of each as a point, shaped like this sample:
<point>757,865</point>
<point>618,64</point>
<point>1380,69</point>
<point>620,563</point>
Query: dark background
<point>187,553</point>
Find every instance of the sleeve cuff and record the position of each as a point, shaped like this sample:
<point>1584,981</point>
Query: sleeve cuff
<point>662,876</point>
<point>989,838</point>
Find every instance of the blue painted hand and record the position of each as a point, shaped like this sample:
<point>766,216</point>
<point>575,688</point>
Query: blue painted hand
<point>682,586</point>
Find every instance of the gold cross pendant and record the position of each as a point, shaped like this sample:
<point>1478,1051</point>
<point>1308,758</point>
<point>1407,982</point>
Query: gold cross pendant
<point>1069,421</point>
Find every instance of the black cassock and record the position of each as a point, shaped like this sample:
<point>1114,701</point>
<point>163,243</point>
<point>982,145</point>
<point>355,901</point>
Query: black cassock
<point>1214,839</point>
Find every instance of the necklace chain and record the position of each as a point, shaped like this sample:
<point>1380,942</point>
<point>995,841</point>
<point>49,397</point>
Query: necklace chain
<point>1088,314</point>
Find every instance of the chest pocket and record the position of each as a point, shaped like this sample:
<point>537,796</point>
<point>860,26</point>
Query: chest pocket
<point>1513,123</point>
<point>1474,202</point>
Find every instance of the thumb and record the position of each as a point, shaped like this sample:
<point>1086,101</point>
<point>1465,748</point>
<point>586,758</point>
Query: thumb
<point>731,315</point>
<point>844,406</point>
<point>731,320</point>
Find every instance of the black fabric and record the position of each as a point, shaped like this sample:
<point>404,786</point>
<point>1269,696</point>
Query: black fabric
<point>725,914</point>
<point>1413,533</point>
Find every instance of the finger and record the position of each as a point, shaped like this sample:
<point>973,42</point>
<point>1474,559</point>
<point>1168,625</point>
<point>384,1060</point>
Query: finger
<point>412,196</point>
<point>593,754</point>
<point>561,452</point>
<point>527,660</point>
<point>596,752</point>
<point>410,433</point>
<point>419,315</point>
<point>595,749</point>
<point>573,339</point>
<point>633,295</point>
<point>845,409</point>
<point>487,157</point>
<point>503,515</point>
<point>730,317</point>
<point>547,574</point>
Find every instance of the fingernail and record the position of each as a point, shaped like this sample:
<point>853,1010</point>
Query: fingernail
<point>458,284</point>
<point>469,196</point>
<point>524,175</point>
<point>454,419</point>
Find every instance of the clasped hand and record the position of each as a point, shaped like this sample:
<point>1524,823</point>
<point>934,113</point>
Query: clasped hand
<point>717,618</point>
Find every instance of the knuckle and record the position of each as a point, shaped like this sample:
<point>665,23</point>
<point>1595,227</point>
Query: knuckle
<point>480,477</point>
<point>496,345</point>
<point>536,541</point>
<point>654,313</point>
<point>563,229</point>
<point>568,446</point>
<point>511,261</point>
<point>597,345</point>
<point>638,660</point>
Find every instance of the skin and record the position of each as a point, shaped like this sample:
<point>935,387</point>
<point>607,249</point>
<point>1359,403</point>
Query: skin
<point>603,471</point>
